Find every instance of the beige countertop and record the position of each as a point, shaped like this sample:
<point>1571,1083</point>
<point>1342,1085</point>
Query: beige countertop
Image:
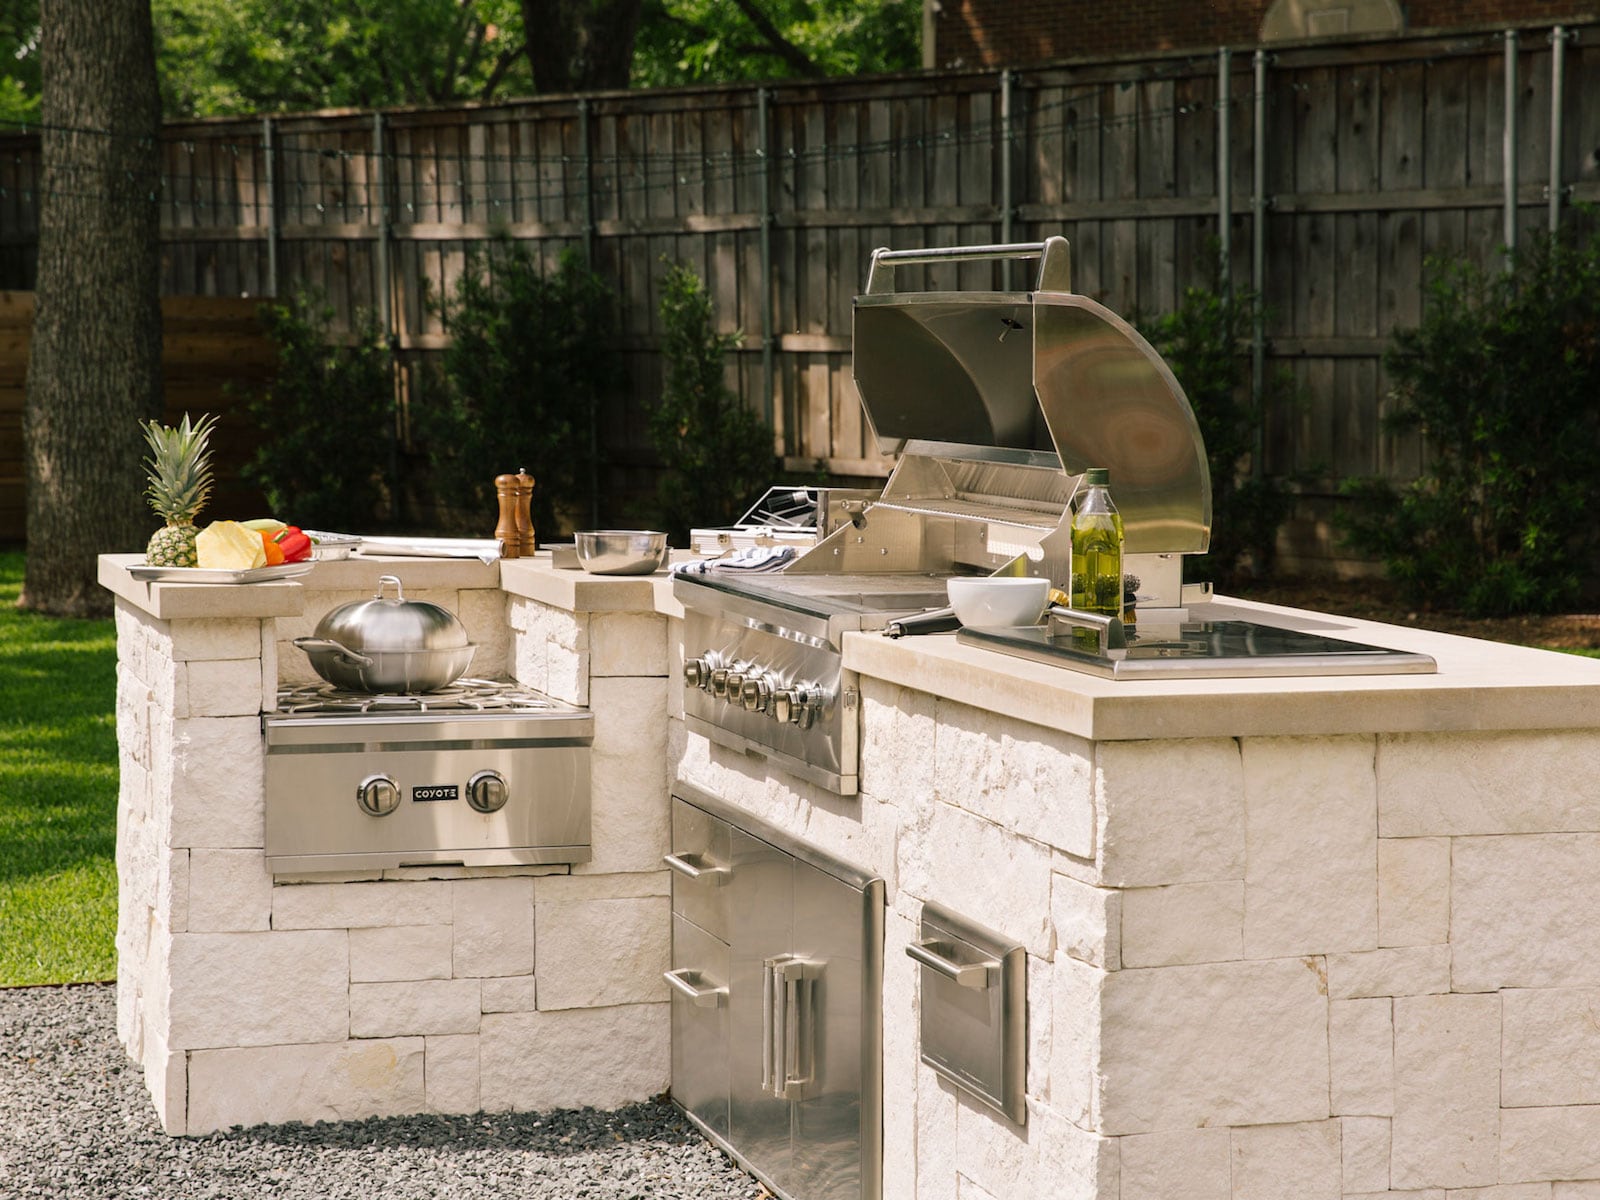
<point>1479,685</point>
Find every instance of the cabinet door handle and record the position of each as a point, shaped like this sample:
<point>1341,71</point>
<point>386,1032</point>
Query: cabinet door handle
<point>700,997</point>
<point>687,867</point>
<point>970,975</point>
<point>789,1019</point>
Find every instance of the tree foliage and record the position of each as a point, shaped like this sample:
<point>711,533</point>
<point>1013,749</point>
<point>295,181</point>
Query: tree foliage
<point>1500,380</point>
<point>19,54</point>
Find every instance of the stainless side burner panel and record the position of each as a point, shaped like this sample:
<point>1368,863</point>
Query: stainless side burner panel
<point>361,783</point>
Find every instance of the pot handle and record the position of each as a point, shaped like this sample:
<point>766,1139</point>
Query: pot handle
<point>399,592</point>
<point>346,655</point>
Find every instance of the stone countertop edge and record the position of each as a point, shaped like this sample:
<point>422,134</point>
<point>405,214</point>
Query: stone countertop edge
<point>1480,685</point>
<point>575,590</point>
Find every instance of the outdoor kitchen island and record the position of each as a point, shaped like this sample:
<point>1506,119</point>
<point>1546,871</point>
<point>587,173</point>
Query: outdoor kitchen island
<point>1284,937</point>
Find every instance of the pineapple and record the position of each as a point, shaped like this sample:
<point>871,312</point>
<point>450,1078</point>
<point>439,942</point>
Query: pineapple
<point>180,483</point>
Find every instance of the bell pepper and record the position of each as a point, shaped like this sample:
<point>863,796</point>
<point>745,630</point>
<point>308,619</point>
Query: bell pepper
<point>274,551</point>
<point>296,545</point>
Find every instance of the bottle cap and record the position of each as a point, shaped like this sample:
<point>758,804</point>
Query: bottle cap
<point>1096,475</point>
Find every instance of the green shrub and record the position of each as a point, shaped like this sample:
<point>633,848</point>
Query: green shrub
<point>1501,379</point>
<point>530,360</point>
<point>718,453</point>
<point>1205,342</point>
<point>327,419</point>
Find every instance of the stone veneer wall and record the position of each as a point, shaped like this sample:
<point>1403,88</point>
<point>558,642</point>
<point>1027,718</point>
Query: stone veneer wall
<point>247,999</point>
<point>1266,968</point>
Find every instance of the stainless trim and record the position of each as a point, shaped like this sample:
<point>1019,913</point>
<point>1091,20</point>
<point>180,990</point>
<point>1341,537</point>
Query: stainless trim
<point>508,856</point>
<point>374,747</point>
<point>834,781</point>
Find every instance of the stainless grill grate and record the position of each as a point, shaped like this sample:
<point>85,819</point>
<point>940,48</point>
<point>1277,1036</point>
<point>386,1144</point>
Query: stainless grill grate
<point>465,695</point>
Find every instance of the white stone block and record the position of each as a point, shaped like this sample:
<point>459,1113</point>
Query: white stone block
<point>204,639</point>
<point>937,1106</point>
<point>605,1057</point>
<point>966,1189</point>
<point>897,741</point>
<point>414,1007</point>
<point>228,890</point>
<point>1502,1191</point>
<point>227,687</point>
<point>1088,920</point>
<point>1551,1049</point>
<point>493,927</point>
<point>1076,996</point>
<point>1170,811</point>
<point>1413,891</point>
<point>450,1072</point>
<point>259,989</point>
<point>217,782</point>
<point>1072,1163</point>
<point>510,994</point>
<point>549,889</point>
<point>994,1152</point>
<point>483,613</point>
<point>630,825</point>
<point>627,644</point>
<point>1361,1056</point>
<point>901,1048</point>
<point>173,890</point>
<point>1523,911</point>
<point>599,953</point>
<point>1287,1162</point>
<point>1035,781</point>
<point>1446,1092</point>
<point>1218,1044</point>
<point>400,952</point>
<point>1183,923</point>
<point>342,1081</point>
<point>269,665</point>
<point>1451,784</point>
<point>1041,1025</point>
<point>1402,971</point>
<point>1365,1153</point>
<point>360,905</point>
<point>166,1078</point>
<point>975,867</point>
<point>1311,853</point>
<point>1588,1189</point>
<point>1550,1143</point>
<point>1177,1164</point>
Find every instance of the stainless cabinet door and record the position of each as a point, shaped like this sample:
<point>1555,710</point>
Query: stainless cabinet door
<point>700,860</point>
<point>837,1119</point>
<point>760,902</point>
<point>699,985</point>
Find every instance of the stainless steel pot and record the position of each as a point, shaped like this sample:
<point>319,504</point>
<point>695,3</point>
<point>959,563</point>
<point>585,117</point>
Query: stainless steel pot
<point>389,645</point>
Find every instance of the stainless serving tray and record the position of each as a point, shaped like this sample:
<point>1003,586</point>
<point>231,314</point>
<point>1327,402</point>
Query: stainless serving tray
<point>149,574</point>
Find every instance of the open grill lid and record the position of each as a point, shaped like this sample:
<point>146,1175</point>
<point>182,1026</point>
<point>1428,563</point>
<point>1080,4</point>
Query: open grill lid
<point>996,403</point>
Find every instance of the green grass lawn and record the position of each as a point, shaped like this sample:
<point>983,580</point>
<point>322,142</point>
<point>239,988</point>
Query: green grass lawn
<point>58,793</point>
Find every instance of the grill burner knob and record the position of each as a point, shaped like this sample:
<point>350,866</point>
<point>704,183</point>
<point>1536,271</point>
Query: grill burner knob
<point>756,693</point>
<point>733,687</point>
<point>781,707</point>
<point>696,672</point>
<point>487,791</point>
<point>378,795</point>
<point>719,682</point>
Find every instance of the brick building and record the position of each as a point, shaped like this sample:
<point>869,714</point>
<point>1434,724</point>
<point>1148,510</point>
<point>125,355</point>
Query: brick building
<point>1014,33</point>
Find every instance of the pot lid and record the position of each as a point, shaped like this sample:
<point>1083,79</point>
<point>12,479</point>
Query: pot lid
<point>391,624</point>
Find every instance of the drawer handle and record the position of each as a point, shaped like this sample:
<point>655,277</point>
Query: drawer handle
<point>969,975</point>
<point>685,866</point>
<point>700,997</point>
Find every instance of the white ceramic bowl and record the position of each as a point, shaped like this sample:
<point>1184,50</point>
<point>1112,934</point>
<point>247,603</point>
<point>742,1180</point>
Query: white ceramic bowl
<point>998,600</point>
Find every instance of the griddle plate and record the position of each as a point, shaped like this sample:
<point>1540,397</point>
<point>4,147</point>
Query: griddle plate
<point>1205,650</point>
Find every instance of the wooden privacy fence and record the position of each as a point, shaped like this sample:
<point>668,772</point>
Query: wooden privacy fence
<point>213,355</point>
<point>1328,171</point>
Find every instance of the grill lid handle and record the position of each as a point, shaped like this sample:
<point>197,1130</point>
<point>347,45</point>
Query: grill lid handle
<point>1054,255</point>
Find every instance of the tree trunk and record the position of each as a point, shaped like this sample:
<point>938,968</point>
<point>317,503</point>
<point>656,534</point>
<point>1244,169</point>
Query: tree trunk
<point>580,45</point>
<point>94,370</point>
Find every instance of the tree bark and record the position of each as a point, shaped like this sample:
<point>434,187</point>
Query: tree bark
<point>94,369</point>
<point>580,45</point>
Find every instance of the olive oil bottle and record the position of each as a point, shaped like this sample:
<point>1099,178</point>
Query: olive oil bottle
<point>1097,548</point>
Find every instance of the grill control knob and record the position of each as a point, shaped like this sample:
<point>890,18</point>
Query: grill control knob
<point>378,795</point>
<point>756,693</point>
<point>733,687</point>
<point>487,791</point>
<point>781,706</point>
<point>696,672</point>
<point>719,682</point>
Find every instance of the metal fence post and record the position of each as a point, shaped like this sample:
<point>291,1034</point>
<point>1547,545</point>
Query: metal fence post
<point>1508,148</point>
<point>1224,165</point>
<point>269,154</point>
<point>587,166</point>
<point>1006,183</point>
<point>764,153</point>
<point>1558,79</point>
<point>378,213</point>
<point>1258,266</point>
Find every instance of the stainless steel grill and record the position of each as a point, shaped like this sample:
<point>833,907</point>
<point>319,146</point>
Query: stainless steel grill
<point>483,773</point>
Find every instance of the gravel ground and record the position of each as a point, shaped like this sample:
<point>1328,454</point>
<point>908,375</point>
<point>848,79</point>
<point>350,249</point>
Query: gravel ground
<point>75,1122</point>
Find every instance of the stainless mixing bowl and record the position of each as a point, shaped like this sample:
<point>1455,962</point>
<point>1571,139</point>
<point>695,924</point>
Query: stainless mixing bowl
<point>621,551</point>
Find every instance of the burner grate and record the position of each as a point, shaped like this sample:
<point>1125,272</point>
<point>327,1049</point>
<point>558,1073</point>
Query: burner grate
<point>464,695</point>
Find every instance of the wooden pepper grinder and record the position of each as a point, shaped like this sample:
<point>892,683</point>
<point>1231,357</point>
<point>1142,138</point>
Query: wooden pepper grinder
<point>506,532</point>
<point>524,513</point>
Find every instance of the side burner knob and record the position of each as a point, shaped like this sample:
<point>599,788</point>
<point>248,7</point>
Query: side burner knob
<point>378,795</point>
<point>487,791</point>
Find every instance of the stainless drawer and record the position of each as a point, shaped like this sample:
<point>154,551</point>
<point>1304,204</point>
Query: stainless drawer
<point>699,982</point>
<point>701,860</point>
